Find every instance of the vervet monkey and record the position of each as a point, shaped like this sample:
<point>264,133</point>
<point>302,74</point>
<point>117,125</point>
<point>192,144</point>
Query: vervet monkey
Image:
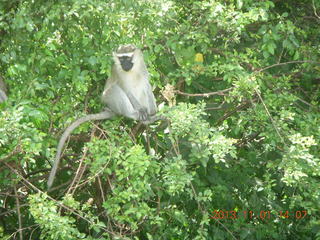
<point>127,92</point>
<point>3,90</point>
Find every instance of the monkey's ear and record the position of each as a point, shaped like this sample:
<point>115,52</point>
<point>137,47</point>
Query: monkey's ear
<point>115,58</point>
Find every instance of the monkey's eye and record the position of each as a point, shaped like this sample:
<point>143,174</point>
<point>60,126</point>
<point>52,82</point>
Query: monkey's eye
<point>125,58</point>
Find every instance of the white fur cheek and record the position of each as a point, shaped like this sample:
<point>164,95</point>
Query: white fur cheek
<point>136,56</point>
<point>115,58</point>
<point>136,61</point>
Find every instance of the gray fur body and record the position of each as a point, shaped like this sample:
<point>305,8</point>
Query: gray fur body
<point>129,93</point>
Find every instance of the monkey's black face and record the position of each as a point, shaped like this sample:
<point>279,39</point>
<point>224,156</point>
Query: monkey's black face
<point>126,63</point>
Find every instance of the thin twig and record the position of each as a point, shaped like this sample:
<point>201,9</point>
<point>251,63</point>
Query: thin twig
<point>101,188</point>
<point>236,109</point>
<point>285,63</point>
<point>201,209</point>
<point>216,108</point>
<point>217,220</point>
<point>14,152</point>
<point>74,211</point>
<point>272,121</point>
<point>18,212</point>
<point>12,210</point>
<point>94,176</point>
<point>315,10</point>
<point>220,93</point>
<point>14,234</point>
<point>81,169</point>
<point>30,238</point>
<point>79,173</point>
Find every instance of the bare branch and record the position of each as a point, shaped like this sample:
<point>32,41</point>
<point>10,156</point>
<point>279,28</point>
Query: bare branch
<point>18,212</point>
<point>314,9</point>
<point>285,63</point>
<point>272,121</point>
<point>220,93</point>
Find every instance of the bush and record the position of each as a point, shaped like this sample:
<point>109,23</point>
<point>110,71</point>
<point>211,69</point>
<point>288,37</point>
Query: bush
<point>238,158</point>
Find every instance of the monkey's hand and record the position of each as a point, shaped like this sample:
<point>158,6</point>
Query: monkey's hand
<point>143,114</point>
<point>154,118</point>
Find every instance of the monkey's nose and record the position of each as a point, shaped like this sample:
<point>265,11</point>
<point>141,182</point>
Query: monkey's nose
<point>126,66</point>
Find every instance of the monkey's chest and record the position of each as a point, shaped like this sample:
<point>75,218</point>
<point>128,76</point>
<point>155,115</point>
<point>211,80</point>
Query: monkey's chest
<point>136,86</point>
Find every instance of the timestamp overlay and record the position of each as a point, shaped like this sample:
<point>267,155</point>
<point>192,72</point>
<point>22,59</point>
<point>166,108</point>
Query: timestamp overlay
<point>260,215</point>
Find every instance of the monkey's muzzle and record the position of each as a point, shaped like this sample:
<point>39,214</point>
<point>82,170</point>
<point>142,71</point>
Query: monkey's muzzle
<point>126,63</point>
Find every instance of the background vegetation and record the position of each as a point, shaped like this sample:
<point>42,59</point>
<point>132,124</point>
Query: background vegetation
<point>239,81</point>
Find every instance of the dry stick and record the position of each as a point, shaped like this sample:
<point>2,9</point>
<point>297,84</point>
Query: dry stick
<point>216,108</point>
<point>285,63</point>
<point>30,238</point>
<point>78,174</point>
<point>315,10</point>
<point>221,93</point>
<point>236,109</point>
<point>12,210</point>
<point>201,209</point>
<point>101,189</point>
<point>14,152</point>
<point>92,177</point>
<point>14,234</point>
<point>19,213</point>
<point>151,120</point>
<point>272,121</point>
<point>80,171</point>
<point>74,211</point>
<point>305,102</point>
<point>264,105</point>
<point>65,184</point>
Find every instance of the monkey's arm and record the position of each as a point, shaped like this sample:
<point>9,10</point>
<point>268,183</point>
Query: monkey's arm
<point>152,106</point>
<point>124,103</point>
<point>120,103</point>
<point>142,111</point>
<point>106,114</point>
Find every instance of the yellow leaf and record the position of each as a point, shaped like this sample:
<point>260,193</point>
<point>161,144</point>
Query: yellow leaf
<point>199,58</point>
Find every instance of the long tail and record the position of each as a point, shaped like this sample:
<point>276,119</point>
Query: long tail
<point>3,96</point>
<point>106,114</point>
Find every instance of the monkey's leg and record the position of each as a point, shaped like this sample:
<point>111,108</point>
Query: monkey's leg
<point>118,101</point>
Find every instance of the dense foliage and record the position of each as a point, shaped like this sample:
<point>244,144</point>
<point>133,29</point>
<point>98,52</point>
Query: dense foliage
<point>239,81</point>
